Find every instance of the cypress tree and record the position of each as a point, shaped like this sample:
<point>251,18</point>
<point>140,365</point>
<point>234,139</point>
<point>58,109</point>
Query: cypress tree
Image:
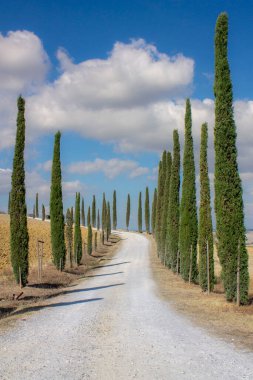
<point>56,208</point>
<point>188,231</point>
<point>98,221</point>
<point>205,238</point>
<point>9,203</point>
<point>147,212</point>
<point>165,210</point>
<point>88,217</point>
<point>93,215</point>
<point>172,236</point>
<point>69,236</point>
<point>108,221</point>
<point>159,205</point>
<point>18,219</point>
<point>154,211</point>
<point>140,214</point>
<point>78,235</point>
<point>37,215</point>
<point>34,211</point>
<point>43,213</point>
<point>128,211</point>
<point>104,213</point>
<point>96,241</point>
<point>72,213</point>
<point>89,240</point>
<point>83,213</point>
<point>228,190</point>
<point>114,211</point>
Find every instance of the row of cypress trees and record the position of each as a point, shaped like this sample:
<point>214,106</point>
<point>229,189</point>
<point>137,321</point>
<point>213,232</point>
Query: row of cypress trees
<point>175,225</point>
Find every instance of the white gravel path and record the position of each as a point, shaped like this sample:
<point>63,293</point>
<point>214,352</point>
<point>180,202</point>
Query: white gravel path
<point>113,326</point>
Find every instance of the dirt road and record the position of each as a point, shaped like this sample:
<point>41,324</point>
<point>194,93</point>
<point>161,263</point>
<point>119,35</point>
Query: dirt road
<point>114,326</point>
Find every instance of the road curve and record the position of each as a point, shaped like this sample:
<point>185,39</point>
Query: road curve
<point>114,326</point>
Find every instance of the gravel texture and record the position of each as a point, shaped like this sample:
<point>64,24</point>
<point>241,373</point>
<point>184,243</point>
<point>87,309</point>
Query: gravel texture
<point>112,326</point>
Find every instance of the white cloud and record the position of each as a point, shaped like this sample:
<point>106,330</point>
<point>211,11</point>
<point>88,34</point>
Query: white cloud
<point>111,168</point>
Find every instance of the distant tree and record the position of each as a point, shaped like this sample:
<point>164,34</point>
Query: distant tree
<point>154,211</point>
<point>37,215</point>
<point>9,203</point>
<point>56,209</point>
<point>228,190</point>
<point>140,214</point>
<point>128,211</point>
<point>104,213</point>
<point>69,236</point>
<point>43,212</point>
<point>98,221</point>
<point>114,212</point>
<point>88,217</point>
<point>205,238</point>
<point>78,235</point>
<point>34,212</point>
<point>147,212</point>
<point>108,221</point>
<point>94,211</point>
<point>96,241</point>
<point>188,231</point>
<point>18,218</point>
<point>89,240</point>
<point>166,197</point>
<point>72,213</point>
<point>83,213</point>
<point>159,204</point>
<point>172,235</point>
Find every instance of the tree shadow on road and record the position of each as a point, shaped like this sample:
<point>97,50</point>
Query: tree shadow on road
<point>104,274</point>
<point>112,265</point>
<point>94,288</point>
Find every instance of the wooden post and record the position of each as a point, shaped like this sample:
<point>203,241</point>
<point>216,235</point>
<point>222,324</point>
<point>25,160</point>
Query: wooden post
<point>238,301</point>
<point>207,267</point>
<point>190,271</point>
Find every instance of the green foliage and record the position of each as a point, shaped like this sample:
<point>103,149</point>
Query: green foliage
<point>9,203</point>
<point>96,241</point>
<point>69,236</point>
<point>108,221</point>
<point>128,210</point>
<point>43,213</point>
<point>93,215</point>
<point>18,219</point>
<point>188,231</point>
<point>78,235</point>
<point>88,217</point>
<point>83,213</point>
<point>98,221</point>
<point>172,236</point>
<point>37,215</point>
<point>34,212</point>
<point>89,240</point>
<point>56,208</point>
<point>165,207</point>
<point>140,214</point>
<point>104,213</point>
<point>228,191</point>
<point>114,210</point>
<point>154,211</point>
<point>159,205</point>
<point>147,212</point>
<point>205,238</point>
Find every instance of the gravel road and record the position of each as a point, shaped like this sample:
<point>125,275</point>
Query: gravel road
<point>112,326</point>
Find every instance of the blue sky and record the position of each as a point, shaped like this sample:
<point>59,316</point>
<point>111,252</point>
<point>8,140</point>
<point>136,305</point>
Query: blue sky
<point>113,77</point>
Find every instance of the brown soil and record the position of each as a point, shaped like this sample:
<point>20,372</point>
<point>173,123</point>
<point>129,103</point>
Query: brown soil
<point>53,282</point>
<point>209,311</point>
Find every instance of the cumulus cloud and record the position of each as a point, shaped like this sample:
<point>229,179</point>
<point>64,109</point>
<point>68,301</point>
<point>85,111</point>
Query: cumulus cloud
<point>111,168</point>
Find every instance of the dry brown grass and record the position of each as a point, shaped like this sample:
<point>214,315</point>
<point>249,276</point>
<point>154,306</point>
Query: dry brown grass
<point>212,312</point>
<point>53,282</point>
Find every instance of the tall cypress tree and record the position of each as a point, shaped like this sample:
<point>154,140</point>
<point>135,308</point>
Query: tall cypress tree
<point>37,206</point>
<point>94,213</point>
<point>159,206</point>
<point>154,211</point>
<point>172,236</point>
<point>205,238</point>
<point>165,210</point>
<point>56,208</point>
<point>9,203</point>
<point>147,212</point>
<point>114,211</point>
<point>43,212</point>
<point>128,210</point>
<point>69,236</point>
<point>104,213</point>
<point>78,235</point>
<point>98,221</point>
<point>83,213</point>
<point>228,191</point>
<point>188,231</point>
<point>18,219</point>
<point>140,213</point>
<point>108,221</point>
<point>88,217</point>
<point>89,240</point>
<point>34,211</point>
